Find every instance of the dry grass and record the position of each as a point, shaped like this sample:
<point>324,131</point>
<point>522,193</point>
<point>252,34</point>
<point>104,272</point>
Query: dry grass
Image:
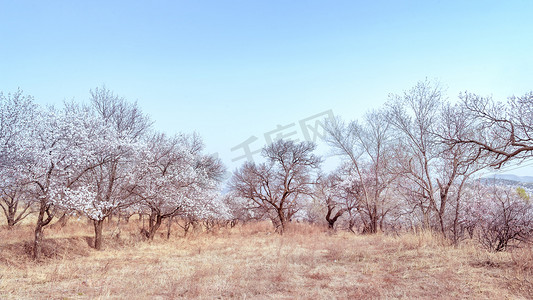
<point>251,262</point>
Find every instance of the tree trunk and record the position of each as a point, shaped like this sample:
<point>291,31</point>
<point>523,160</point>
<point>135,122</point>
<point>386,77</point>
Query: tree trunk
<point>98,226</point>
<point>373,224</point>
<point>10,208</point>
<point>351,225</point>
<point>9,211</point>
<point>426,220</point>
<point>169,225</point>
<point>10,222</point>
<point>154,224</point>
<point>455,230</point>
<point>38,234</point>
<point>331,221</point>
<point>282,221</point>
<point>38,239</point>
<point>440,215</point>
<point>63,220</point>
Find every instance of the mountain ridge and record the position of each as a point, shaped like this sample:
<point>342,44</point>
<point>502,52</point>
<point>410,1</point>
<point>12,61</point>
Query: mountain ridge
<point>511,177</point>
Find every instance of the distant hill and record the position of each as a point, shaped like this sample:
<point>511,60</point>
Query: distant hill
<point>512,177</point>
<point>509,180</point>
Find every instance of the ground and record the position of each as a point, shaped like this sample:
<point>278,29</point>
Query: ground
<point>252,262</point>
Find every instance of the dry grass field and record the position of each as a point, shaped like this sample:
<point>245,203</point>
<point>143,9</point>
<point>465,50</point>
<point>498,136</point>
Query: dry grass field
<point>250,262</point>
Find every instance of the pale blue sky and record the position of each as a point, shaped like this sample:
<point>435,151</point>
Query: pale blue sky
<point>233,69</point>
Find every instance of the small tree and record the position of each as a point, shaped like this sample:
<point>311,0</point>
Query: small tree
<point>340,194</point>
<point>506,218</point>
<point>17,114</point>
<point>238,209</point>
<point>367,150</point>
<point>14,202</point>
<point>326,191</point>
<point>172,175</point>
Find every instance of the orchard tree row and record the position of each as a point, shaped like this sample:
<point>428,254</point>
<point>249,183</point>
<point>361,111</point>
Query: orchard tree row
<point>98,159</point>
<point>413,163</point>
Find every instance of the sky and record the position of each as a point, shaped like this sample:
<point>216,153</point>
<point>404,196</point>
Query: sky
<point>235,70</point>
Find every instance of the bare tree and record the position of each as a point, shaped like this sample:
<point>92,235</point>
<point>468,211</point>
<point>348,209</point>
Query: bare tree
<point>504,130</point>
<point>341,195</point>
<point>457,165</point>
<point>431,173</point>
<point>277,186</point>
<point>367,148</point>
<point>414,116</point>
<point>328,193</point>
<point>503,217</point>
